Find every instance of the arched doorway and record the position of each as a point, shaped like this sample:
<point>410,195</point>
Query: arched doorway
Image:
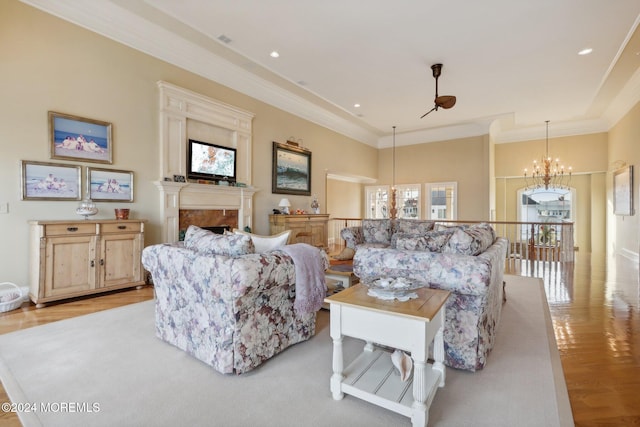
<point>552,205</point>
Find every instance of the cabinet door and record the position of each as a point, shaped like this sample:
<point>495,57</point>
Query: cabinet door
<point>70,265</point>
<point>319,233</point>
<point>120,259</point>
<point>300,232</point>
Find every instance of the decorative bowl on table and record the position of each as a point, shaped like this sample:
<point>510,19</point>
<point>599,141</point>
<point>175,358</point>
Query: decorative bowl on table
<point>87,208</point>
<point>390,288</point>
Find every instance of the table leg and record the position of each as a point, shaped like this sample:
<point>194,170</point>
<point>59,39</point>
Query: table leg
<point>438,351</point>
<point>338,361</point>
<point>420,415</point>
<point>337,377</point>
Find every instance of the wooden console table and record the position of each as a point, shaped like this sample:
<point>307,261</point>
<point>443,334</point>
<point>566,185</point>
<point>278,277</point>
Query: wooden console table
<point>307,228</point>
<point>409,326</point>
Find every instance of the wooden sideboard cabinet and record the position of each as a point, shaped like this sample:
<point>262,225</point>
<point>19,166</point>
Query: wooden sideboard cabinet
<point>75,258</point>
<point>308,228</point>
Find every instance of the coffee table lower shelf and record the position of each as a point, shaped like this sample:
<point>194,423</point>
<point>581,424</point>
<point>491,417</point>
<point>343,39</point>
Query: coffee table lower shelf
<point>372,377</point>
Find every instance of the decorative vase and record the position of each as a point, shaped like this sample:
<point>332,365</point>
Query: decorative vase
<point>315,206</point>
<point>122,213</point>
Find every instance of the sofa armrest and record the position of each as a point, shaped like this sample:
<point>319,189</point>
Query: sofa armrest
<point>462,274</point>
<point>353,236</point>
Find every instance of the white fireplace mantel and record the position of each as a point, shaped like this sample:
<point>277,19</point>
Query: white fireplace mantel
<point>180,195</point>
<point>188,115</point>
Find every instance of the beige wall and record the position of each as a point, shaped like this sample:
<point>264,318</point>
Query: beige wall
<point>465,161</point>
<point>49,64</point>
<point>344,199</point>
<point>624,148</point>
<point>585,153</point>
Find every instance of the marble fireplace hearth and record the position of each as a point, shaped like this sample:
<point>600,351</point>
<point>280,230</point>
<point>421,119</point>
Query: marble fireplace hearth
<point>204,205</point>
<point>216,220</point>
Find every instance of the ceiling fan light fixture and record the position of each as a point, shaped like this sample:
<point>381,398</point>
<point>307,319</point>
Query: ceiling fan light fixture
<point>444,101</point>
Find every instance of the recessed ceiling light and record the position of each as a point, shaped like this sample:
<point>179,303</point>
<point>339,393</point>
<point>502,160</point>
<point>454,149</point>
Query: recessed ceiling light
<point>585,51</point>
<point>356,105</point>
<point>274,54</point>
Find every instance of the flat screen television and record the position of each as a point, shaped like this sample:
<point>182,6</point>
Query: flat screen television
<point>211,162</point>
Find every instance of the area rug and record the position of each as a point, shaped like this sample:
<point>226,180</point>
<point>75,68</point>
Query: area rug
<point>108,369</point>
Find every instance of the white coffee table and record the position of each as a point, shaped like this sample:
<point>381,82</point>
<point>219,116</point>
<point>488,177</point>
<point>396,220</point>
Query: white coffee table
<point>410,326</point>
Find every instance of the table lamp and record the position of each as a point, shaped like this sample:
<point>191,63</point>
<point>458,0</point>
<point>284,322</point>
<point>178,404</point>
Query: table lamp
<point>284,204</point>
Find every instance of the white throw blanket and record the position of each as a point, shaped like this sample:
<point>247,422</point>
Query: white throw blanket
<point>311,287</point>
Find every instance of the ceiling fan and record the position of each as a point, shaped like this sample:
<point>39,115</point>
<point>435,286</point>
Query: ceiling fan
<point>444,101</point>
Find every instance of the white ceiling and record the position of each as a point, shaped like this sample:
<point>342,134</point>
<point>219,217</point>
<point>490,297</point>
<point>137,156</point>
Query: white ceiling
<point>511,60</point>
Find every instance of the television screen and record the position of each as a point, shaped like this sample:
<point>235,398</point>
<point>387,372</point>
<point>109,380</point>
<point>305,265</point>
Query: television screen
<point>210,161</point>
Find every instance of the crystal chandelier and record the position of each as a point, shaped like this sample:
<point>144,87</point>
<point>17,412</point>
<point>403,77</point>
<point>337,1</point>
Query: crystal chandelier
<point>547,173</point>
<point>393,211</point>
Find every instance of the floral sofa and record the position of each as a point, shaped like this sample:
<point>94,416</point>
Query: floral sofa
<point>224,304</point>
<point>468,262</point>
<point>381,233</point>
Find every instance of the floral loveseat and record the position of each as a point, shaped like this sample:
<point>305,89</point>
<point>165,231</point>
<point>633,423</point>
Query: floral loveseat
<point>381,233</point>
<point>468,262</point>
<point>224,304</point>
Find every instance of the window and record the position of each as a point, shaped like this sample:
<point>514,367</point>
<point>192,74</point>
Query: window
<point>408,201</point>
<point>550,205</point>
<point>376,201</point>
<point>540,205</point>
<point>442,200</point>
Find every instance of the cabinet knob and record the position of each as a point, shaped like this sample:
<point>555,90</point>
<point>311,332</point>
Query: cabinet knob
<point>122,227</point>
<point>101,262</point>
<point>72,229</point>
<point>93,263</point>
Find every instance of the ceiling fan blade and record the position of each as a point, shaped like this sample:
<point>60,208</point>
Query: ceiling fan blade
<point>446,101</point>
<point>428,112</point>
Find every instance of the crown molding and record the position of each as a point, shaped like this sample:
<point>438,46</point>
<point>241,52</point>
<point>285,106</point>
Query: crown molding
<point>347,177</point>
<point>557,130</point>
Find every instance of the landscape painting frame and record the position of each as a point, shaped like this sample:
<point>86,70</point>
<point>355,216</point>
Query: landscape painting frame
<point>291,170</point>
<point>50,181</point>
<point>80,139</point>
<point>109,185</point>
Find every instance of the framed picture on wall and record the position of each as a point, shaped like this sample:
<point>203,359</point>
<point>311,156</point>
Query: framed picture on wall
<point>623,191</point>
<point>77,138</point>
<point>291,170</point>
<point>110,185</point>
<point>50,181</point>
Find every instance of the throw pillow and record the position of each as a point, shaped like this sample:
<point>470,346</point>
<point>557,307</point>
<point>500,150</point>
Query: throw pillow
<point>377,230</point>
<point>347,253</point>
<point>266,243</point>
<point>433,241</point>
<point>413,226</point>
<point>471,241</point>
<point>208,243</point>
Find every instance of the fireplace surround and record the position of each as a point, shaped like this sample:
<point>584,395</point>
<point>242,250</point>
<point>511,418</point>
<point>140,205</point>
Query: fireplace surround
<point>188,115</point>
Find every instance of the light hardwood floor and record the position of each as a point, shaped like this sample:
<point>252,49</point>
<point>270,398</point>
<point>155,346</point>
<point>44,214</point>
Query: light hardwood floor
<point>596,315</point>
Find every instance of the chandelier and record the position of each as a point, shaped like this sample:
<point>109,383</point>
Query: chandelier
<point>393,211</point>
<point>547,173</point>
